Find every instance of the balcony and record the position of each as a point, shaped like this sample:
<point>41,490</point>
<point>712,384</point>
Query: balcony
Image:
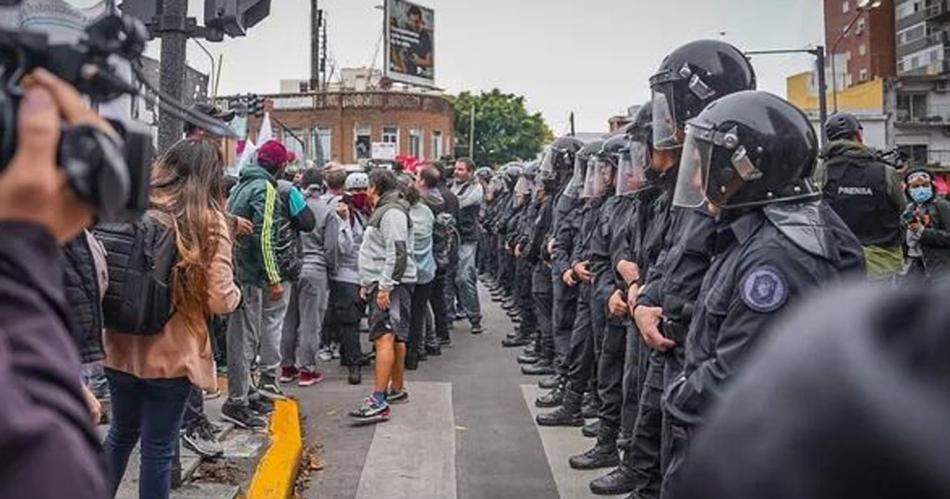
<point>937,10</point>
<point>933,115</point>
<point>937,38</point>
<point>933,69</point>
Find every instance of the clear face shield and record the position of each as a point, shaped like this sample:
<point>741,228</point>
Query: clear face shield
<point>598,178</point>
<point>631,169</point>
<point>496,186</point>
<point>694,167</point>
<point>665,126</point>
<point>524,186</point>
<point>547,162</point>
<point>576,183</point>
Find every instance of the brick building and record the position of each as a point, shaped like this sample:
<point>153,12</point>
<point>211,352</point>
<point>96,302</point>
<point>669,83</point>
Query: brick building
<point>342,125</point>
<point>866,51</point>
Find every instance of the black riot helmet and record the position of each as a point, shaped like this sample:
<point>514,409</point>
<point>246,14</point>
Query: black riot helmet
<point>747,149</point>
<point>510,173</point>
<point>560,155</point>
<point>582,159</point>
<point>842,126</point>
<point>689,79</point>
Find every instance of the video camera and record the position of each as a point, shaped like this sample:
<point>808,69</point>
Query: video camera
<point>112,174</point>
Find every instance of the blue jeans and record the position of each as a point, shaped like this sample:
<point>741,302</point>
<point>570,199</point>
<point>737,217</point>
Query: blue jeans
<point>150,409</point>
<point>466,282</point>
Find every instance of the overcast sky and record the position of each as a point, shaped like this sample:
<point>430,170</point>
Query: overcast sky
<point>592,57</point>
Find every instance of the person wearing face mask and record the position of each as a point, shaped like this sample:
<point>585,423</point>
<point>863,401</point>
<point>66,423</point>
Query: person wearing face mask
<point>865,193</point>
<point>926,222</point>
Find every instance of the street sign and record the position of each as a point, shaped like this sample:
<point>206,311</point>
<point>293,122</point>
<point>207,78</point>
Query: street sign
<point>384,150</point>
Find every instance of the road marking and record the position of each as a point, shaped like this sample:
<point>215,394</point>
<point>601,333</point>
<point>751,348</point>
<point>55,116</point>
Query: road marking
<point>413,454</point>
<point>560,443</point>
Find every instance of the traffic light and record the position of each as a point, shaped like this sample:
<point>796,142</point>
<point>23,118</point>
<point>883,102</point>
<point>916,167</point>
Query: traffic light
<point>234,17</point>
<point>255,105</point>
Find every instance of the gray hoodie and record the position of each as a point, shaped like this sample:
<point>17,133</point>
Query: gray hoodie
<point>327,227</point>
<point>384,255</point>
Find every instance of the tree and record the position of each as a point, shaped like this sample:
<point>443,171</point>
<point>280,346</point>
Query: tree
<point>504,131</point>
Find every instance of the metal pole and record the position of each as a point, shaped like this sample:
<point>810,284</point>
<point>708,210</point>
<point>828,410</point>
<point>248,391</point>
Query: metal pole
<point>471,134</point>
<point>572,124</point>
<point>834,82</point>
<point>212,83</point>
<point>822,92</point>
<point>217,77</point>
<point>314,46</point>
<point>172,78</point>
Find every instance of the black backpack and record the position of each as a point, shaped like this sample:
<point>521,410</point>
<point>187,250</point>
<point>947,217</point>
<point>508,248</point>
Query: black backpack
<point>141,257</point>
<point>445,242</point>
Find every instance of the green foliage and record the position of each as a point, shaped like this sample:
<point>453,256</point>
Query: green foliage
<point>504,131</point>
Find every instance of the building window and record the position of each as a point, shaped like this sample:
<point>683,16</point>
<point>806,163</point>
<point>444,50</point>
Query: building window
<point>362,143</point>
<point>911,107</point>
<point>391,136</point>
<point>295,140</point>
<point>862,49</point>
<point>845,7</point>
<point>861,26</point>
<point>863,75</point>
<point>415,142</point>
<point>437,144</point>
<point>916,154</point>
<point>321,145</point>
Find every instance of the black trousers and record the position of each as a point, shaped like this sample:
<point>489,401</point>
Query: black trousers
<point>440,311</point>
<point>565,311</point>
<point>421,297</point>
<point>610,374</point>
<point>580,358</point>
<point>523,272</point>
<point>634,372</point>
<point>344,311</point>
<point>542,291</point>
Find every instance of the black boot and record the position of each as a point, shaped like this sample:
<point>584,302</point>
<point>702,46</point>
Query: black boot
<point>591,430</point>
<point>603,455</point>
<point>591,406</point>
<point>551,399</point>
<point>618,481</point>
<point>550,382</point>
<point>518,341</point>
<point>569,414</point>
<point>356,376</point>
<point>528,359</point>
<point>541,368</point>
<point>412,361</point>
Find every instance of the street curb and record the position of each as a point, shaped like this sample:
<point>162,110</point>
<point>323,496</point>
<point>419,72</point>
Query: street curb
<point>277,470</point>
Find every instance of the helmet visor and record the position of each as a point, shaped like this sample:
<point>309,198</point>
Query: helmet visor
<point>547,161</point>
<point>524,185</point>
<point>598,177</point>
<point>574,186</point>
<point>631,169</point>
<point>665,126</point>
<point>691,179</point>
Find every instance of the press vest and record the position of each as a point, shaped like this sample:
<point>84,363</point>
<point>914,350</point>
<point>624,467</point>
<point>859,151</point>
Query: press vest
<point>857,192</point>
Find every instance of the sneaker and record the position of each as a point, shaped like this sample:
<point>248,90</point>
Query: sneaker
<point>242,416</point>
<point>202,441</point>
<point>335,350</point>
<point>309,378</point>
<point>445,342</point>
<point>261,405</point>
<point>477,329</point>
<point>270,389</point>
<point>216,393</point>
<point>288,374</point>
<point>397,396</point>
<point>371,410</point>
<point>325,355</point>
<point>213,428</point>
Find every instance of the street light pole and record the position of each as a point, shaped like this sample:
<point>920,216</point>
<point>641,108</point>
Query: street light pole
<point>471,134</point>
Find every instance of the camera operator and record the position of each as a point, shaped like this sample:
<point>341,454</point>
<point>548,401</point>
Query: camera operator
<point>45,425</point>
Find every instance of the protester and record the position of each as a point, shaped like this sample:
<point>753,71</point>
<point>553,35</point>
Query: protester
<point>256,199</point>
<point>445,244</point>
<point>387,275</point>
<point>346,306</point>
<point>470,195</point>
<point>150,377</point>
<point>422,221</point>
<point>51,447</point>
<point>926,223</point>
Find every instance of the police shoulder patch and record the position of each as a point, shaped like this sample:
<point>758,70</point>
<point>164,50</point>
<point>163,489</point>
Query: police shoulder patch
<point>764,289</point>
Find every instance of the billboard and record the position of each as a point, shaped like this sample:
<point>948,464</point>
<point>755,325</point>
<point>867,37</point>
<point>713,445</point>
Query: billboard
<point>410,48</point>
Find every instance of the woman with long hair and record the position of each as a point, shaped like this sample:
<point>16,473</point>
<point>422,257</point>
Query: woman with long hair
<point>150,377</point>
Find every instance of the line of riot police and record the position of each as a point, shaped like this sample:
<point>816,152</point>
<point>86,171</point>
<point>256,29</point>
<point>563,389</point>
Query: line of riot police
<point>643,268</point>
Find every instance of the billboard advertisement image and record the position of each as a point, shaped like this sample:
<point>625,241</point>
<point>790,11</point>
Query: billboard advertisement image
<point>410,45</point>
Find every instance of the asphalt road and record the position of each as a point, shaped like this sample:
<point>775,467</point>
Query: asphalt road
<point>468,430</point>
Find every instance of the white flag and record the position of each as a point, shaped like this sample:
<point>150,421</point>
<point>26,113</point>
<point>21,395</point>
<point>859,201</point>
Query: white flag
<point>246,155</point>
<point>267,132</point>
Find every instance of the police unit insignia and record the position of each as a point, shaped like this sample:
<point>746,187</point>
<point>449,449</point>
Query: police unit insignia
<point>764,290</point>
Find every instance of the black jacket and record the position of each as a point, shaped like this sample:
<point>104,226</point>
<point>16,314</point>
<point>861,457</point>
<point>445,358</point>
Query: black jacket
<point>935,238</point>
<point>82,294</point>
<point>764,261</point>
<point>49,444</point>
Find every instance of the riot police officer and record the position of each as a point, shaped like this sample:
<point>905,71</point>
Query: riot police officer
<point>674,254</point>
<point>865,192</point>
<point>750,158</point>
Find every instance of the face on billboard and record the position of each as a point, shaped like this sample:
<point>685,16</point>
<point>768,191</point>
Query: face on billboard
<point>409,40</point>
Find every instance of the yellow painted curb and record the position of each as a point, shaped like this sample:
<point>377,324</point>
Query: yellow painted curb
<point>275,474</point>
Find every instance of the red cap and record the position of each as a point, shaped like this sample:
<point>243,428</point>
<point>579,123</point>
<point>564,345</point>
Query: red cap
<point>291,156</point>
<point>271,154</point>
